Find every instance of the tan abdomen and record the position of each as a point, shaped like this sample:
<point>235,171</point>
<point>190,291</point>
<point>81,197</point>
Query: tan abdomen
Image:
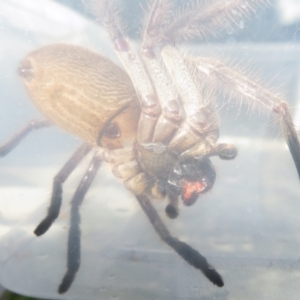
<point>81,91</point>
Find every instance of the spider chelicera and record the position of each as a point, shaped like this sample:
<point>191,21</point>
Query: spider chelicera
<point>156,122</point>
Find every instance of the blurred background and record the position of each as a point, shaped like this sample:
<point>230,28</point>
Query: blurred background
<point>278,22</point>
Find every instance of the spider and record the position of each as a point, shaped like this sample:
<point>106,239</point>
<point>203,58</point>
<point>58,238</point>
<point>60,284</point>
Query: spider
<point>156,122</point>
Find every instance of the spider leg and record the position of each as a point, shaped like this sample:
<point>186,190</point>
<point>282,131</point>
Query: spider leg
<point>189,254</point>
<point>168,96</point>
<point>19,136</point>
<point>73,256</point>
<point>201,121</point>
<point>58,181</point>
<point>200,130</point>
<point>224,151</point>
<point>289,132</point>
<point>126,170</point>
<point>197,20</point>
<point>118,156</point>
<point>107,11</point>
<point>206,18</point>
<point>124,164</point>
<point>159,15</point>
<point>242,88</point>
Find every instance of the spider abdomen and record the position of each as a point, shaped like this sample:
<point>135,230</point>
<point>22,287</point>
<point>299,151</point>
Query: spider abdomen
<point>82,92</point>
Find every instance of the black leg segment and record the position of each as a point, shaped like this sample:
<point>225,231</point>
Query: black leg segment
<point>19,136</point>
<point>189,254</point>
<point>290,133</point>
<point>73,256</point>
<point>59,179</point>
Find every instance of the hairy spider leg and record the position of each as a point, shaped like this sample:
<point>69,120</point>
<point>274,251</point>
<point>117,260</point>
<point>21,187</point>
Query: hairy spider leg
<point>289,132</point>
<point>197,105</point>
<point>243,88</point>
<point>189,254</point>
<point>150,106</point>
<point>74,251</point>
<point>196,136</point>
<point>59,179</point>
<point>171,114</point>
<point>164,29</point>
<point>200,23</point>
<point>19,136</point>
<point>202,19</point>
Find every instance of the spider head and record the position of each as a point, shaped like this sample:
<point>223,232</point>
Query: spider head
<point>192,177</point>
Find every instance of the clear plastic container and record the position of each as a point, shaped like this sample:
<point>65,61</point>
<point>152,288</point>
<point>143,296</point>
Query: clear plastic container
<point>247,226</point>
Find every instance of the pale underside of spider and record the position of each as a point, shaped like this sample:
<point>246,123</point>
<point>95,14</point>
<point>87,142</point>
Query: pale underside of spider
<point>156,123</point>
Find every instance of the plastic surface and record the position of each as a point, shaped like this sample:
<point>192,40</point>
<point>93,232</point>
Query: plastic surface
<point>247,226</point>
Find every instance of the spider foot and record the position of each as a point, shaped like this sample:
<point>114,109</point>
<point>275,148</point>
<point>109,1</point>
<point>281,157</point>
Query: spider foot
<point>66,283</point>
<point>195,259</point>
<point>43,227</point>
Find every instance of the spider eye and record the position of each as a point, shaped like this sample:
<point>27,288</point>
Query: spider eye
<point>196,177</point>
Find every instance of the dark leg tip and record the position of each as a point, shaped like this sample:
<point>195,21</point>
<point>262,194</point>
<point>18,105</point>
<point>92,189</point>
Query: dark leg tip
<point>38,231</point>
<point>214,276</point>
<point>66,283</point>
<point>195,259</point>
<point>62,289</point>
<point>171,211</point>
<point>42,228</point>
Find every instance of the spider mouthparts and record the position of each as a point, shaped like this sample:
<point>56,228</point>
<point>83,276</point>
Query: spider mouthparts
<point>191,191</point>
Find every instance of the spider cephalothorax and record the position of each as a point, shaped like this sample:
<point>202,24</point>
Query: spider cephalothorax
<point>173,176</point>
<point>156,122</point>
